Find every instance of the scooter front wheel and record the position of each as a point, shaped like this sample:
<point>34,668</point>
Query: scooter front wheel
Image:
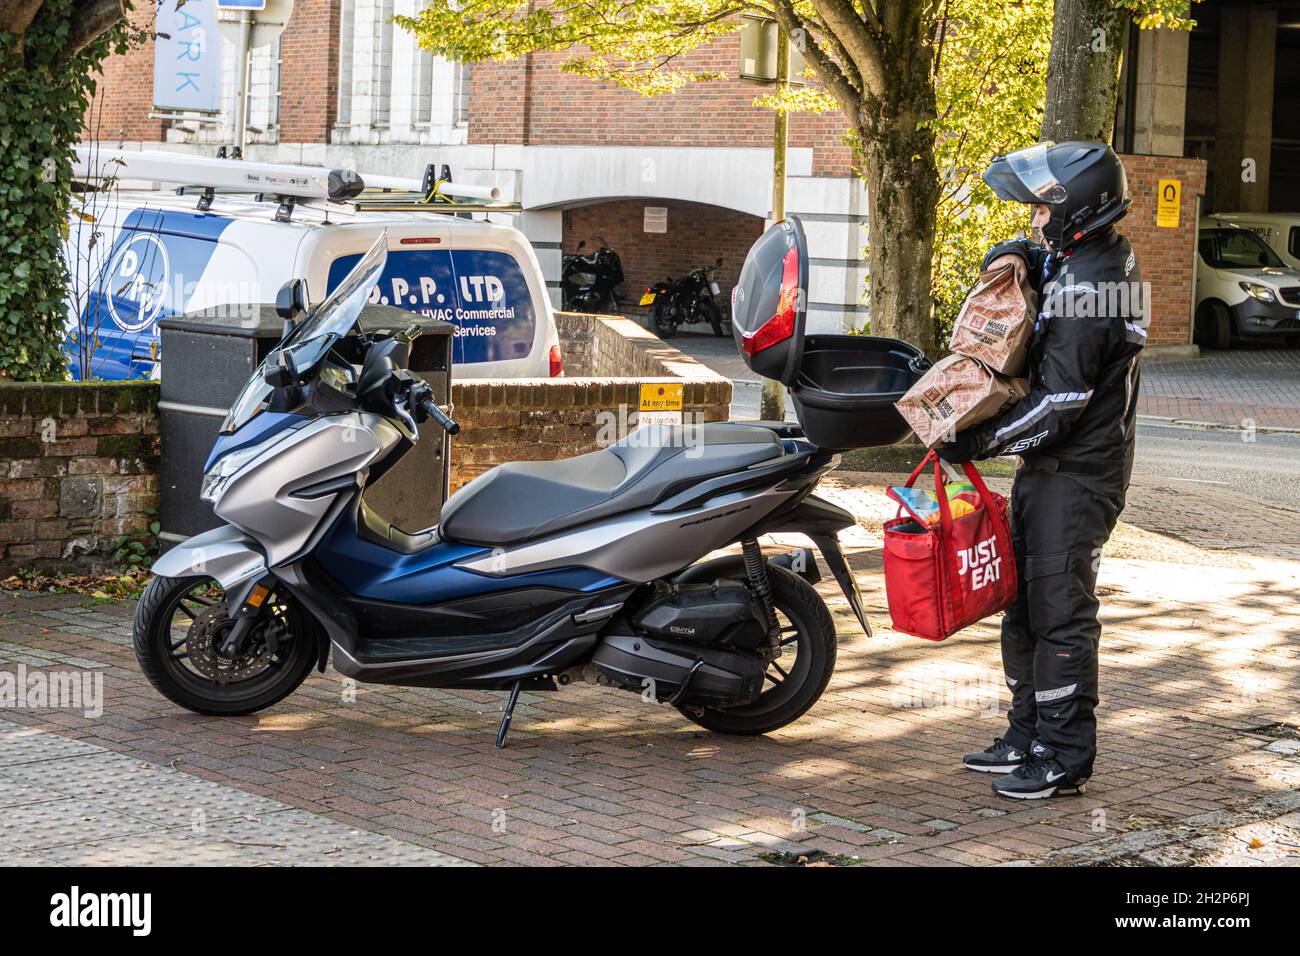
<point>795,680</point>
<point>180,625</point>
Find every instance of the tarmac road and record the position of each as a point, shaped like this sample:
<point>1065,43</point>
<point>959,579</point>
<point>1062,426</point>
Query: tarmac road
<point>1266,469</point>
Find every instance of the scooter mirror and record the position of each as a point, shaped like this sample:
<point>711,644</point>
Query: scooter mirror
<point>719,261</point>
<point>291,302</point>
<point>282,372</point>
<point>582,244</point>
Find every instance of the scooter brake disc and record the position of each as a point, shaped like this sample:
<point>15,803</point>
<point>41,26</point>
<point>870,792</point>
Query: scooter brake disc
<point>203,647</point>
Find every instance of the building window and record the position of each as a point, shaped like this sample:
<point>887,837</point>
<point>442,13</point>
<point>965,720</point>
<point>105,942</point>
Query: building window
<point>381,64</point>
<point>460,94</point>
<point>347,25</point>
<point>422,95</point>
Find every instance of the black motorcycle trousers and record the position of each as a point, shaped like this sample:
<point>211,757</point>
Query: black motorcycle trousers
<point>1050,634</point>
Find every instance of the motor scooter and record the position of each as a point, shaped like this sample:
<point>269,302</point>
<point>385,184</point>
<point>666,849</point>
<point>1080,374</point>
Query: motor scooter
<point>539,574</point>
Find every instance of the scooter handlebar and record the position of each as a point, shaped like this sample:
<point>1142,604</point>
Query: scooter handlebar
<point>432,411</point>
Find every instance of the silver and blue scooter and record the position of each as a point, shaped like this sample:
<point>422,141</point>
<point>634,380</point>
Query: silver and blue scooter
<point>539,574</point>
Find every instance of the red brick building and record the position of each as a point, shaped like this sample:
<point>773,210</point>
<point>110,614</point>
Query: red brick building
<point>344,87</point>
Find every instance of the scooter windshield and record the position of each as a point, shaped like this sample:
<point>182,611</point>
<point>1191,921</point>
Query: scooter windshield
<point>312,338</point>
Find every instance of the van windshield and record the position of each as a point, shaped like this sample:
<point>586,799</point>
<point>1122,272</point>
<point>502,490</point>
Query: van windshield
<point>1235,249</point>
<point>313,337</point>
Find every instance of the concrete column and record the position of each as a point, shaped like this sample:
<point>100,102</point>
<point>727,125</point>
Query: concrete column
<point>544,228</point>
<point>1247,44</point>
<point>1160,92</point>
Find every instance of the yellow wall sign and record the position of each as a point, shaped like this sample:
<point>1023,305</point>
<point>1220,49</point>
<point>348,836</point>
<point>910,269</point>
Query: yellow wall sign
<point>664,397</point>
<point>1168,203</point>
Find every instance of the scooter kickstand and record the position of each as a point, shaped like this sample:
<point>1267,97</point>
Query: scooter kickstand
<point>505,718</point>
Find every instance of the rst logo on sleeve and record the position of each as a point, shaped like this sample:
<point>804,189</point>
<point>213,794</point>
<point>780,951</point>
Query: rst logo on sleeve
<point>483,293</point>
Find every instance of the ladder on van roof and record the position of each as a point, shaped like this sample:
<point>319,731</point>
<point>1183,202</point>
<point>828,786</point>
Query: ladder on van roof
<point>334,189</point>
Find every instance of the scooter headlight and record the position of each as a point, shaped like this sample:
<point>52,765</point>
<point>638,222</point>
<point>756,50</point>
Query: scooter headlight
<point>229,465</point>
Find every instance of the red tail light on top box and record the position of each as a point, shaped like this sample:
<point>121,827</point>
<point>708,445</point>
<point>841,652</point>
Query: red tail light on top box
<point>781,326</point>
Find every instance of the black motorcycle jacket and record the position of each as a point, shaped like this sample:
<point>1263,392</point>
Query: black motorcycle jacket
<point>1079,416</point>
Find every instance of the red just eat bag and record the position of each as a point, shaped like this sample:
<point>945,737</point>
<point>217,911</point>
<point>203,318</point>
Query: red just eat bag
<point>940,579</point>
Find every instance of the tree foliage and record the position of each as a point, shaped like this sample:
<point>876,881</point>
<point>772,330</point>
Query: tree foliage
<point>980,91</point>
<point>992,74</point>
<point>49,53</point>
<point>871,58</point>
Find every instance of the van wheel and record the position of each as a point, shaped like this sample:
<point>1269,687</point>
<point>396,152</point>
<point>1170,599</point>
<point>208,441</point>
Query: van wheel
<point>1213,326</point>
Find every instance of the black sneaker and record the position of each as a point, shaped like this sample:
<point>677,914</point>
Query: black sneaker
<point>1039,777</point>
<point>999,757</point>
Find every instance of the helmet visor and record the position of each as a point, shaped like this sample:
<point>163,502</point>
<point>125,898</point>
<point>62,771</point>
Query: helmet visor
<point>1024,176</point>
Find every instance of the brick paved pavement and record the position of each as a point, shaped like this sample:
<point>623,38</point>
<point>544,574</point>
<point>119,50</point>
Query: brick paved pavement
<point>1200,667</point>
<point>1226,388</point>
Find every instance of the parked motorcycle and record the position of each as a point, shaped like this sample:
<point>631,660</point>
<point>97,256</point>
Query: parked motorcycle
<point>540,574</point>
<point>689,299</point>
<point>588,283</point>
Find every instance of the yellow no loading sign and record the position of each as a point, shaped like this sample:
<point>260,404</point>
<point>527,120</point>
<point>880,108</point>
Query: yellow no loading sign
<point>1168,199</point>
<point>666,397</point>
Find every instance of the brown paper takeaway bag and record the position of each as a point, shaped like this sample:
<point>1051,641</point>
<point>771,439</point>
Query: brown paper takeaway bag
<point>996,321</point>
<point>956,393</point>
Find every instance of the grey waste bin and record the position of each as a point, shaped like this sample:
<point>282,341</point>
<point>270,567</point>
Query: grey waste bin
<point>208,355</point>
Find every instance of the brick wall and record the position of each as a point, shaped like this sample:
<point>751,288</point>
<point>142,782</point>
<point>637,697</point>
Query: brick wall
<point>606,345</point>
<point>1164,254</point>
<point>697,234</point>
<point>124,94</point>
<point>309,72</point>
<point>532,102</point>
<point>79,462</point>
<point>78,468</point>
<point>309,75</point>
<point>546,419</point>
<point>607,361</point>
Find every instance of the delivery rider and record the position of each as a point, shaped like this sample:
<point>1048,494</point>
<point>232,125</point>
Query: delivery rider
<point>1074,434</point>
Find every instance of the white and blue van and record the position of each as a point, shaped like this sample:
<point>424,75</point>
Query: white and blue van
<point>140,255</point>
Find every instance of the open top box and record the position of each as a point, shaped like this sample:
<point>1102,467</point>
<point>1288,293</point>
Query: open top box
<point>844,386</point>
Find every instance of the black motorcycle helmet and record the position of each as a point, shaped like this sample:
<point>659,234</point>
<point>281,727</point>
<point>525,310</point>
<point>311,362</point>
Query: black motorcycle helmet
<point>1082,182</point>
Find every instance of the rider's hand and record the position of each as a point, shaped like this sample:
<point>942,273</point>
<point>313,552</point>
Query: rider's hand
<point>1016,262</point>
<point>960,449</point>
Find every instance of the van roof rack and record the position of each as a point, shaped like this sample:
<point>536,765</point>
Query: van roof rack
<point>287,184</point>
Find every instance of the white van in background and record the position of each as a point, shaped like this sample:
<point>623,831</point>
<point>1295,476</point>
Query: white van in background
<point>137,255</point>
<point>1281,230</point>
<point>1243,288</point>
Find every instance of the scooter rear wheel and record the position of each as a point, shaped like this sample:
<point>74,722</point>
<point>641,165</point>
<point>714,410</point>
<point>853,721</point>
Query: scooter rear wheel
<point>179,624</point>
<point>795,680</point>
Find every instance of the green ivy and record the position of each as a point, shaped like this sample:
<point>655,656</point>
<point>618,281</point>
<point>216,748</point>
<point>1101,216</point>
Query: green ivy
<point>138,549</point>
<point>44,94</point>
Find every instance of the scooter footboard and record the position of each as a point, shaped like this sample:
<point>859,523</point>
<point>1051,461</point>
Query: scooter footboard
<point>225,553</point>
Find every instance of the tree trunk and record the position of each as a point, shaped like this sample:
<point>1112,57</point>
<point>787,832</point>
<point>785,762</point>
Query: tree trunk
<point>902,194</point>
<point>1083,70</point>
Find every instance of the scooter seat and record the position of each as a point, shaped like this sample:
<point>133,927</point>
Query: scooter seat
<point>528,499</point>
